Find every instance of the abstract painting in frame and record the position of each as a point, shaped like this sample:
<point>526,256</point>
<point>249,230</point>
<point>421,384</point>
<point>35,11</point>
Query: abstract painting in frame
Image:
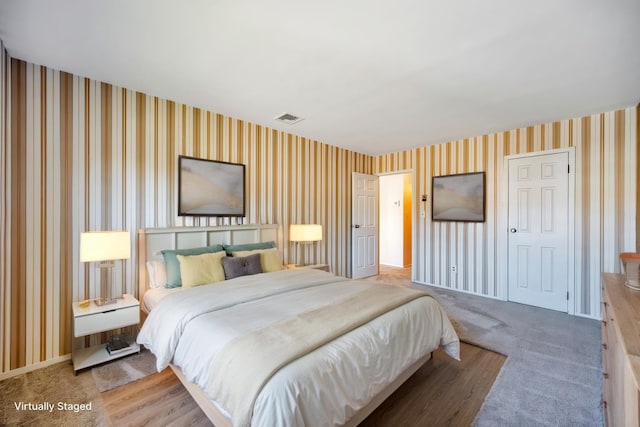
<point>458,197</point>
<point>210,187</point>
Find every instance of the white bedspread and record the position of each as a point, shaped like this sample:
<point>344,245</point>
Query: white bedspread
<point>153,296</point>
<point>185,330</point>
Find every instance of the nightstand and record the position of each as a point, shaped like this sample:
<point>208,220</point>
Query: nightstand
<point>323,267</point>
<point>94,319</point>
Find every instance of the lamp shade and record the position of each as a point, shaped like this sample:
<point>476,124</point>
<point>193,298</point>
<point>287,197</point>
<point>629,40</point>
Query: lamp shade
<point>104,245</point>
<point>305,232</point>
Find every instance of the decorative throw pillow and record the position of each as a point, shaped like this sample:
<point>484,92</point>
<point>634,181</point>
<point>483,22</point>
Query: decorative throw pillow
<point>172,265</point>
<point>157,274</point>
<point>196,270</point>
<point>248,247</point>
<point>269,258</point>
<point>241,266</point>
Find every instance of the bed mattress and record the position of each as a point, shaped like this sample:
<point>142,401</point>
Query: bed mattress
<point>322,388</point>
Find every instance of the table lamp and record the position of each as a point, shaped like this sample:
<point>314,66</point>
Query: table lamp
<point>105,248</point>
<point>305,233</point>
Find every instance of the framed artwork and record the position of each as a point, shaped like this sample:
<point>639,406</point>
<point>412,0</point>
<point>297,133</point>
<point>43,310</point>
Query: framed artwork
<point>458,197</point>
<point>210,187</point>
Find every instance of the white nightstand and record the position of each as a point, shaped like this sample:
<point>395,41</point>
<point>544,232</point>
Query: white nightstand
<point>94,319</point>
<point>323,267</point>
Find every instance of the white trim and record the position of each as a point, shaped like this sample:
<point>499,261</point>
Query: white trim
<point>503,202</point>
<point>461,291</point>
<point>571,243</point>
<point>398,172</point>
<point>415,216</point>
<point>34,366</point>
<point>588,316</point>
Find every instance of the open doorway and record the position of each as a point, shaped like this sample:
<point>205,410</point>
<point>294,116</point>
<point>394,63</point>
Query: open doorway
<point>395,207</point>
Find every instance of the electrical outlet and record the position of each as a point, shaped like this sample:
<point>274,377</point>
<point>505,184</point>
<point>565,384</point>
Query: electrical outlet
<point>453,269</point>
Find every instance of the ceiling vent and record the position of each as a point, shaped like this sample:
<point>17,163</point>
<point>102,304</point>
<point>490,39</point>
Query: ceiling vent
<point>289,119</point>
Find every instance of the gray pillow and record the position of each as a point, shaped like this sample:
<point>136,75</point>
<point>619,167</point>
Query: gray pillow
<point>241,266</point>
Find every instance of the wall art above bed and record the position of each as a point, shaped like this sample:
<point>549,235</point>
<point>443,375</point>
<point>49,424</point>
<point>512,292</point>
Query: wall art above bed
<point>458,197</point>
<point>210,187</point>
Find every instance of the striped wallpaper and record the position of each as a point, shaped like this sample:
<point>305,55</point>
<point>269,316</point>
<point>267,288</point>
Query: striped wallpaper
<point>78,154</point>
<point>84,155</point>
<point>606,149</point>
<point>5,244</point>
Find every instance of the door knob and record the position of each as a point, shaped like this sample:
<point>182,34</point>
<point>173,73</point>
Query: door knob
<point>513,230</point>
<point>356,226</point>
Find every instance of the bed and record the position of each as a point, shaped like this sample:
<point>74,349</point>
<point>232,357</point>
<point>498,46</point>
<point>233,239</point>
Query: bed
<point>288,347</point>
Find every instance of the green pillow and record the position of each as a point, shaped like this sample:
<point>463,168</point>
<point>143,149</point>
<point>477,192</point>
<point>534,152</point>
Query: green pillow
<point>172,266</point>
<point>248,247</point>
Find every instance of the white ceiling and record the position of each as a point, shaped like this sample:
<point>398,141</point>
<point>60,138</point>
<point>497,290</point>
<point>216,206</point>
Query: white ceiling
<point>370,76</point>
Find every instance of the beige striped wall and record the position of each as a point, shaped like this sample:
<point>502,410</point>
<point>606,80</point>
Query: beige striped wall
<point>606,149</point>
<point>78,154</point>
<point>84,155</point>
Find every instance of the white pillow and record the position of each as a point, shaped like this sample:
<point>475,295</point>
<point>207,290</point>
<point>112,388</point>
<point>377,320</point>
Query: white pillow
<point>157,274</point>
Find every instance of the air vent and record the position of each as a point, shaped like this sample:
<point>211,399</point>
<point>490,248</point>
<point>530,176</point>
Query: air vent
<point>288,118</point>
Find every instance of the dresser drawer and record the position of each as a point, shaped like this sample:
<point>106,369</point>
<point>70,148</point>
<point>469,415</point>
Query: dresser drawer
<point>106,320</point>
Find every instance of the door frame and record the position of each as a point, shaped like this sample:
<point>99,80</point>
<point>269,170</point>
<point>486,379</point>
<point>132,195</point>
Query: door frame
<point>503,224</point>
<point>414,217</point>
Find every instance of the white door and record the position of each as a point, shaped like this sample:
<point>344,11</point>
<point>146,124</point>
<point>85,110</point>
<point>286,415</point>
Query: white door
<point>364,225</point>
<point>538,230</point>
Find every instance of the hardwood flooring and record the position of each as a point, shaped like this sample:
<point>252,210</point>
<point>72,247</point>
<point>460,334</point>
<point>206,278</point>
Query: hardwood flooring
<point>443,392</point>
<point>157,400</point>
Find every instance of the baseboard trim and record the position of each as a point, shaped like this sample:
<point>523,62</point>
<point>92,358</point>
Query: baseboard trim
<point>33,367</point>
<point>459,290</point>
<point>587,316</point>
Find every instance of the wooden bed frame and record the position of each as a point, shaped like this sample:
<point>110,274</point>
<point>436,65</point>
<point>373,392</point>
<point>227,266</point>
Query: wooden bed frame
<point>152,240</point>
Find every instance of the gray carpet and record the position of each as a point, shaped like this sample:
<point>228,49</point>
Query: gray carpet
<point>553,372</point>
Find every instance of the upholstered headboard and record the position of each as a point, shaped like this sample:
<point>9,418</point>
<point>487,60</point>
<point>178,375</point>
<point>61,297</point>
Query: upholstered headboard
<point>153,240</point>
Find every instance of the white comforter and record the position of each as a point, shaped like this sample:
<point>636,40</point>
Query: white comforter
<point>323,388</point>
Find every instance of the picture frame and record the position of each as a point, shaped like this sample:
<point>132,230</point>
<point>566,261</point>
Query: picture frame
<point>210,187</point>
<point>459,197</point>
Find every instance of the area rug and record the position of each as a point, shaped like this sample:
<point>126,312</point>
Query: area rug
<point>51,396</point>
<point>57,396</point>
<point>125,370</point>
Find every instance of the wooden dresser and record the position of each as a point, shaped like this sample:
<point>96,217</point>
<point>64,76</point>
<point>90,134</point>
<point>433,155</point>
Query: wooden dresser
<point>620,351</point>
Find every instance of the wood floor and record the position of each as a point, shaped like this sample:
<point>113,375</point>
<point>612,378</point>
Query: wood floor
<point>443,392</point>
<point>157,400</point>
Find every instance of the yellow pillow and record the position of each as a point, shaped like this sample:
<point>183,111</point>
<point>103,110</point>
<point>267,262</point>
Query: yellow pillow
<point>196,270</point>
<point>269,258</point>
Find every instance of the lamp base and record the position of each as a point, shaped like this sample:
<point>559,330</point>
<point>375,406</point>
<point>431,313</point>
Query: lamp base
<point>105,301</point>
